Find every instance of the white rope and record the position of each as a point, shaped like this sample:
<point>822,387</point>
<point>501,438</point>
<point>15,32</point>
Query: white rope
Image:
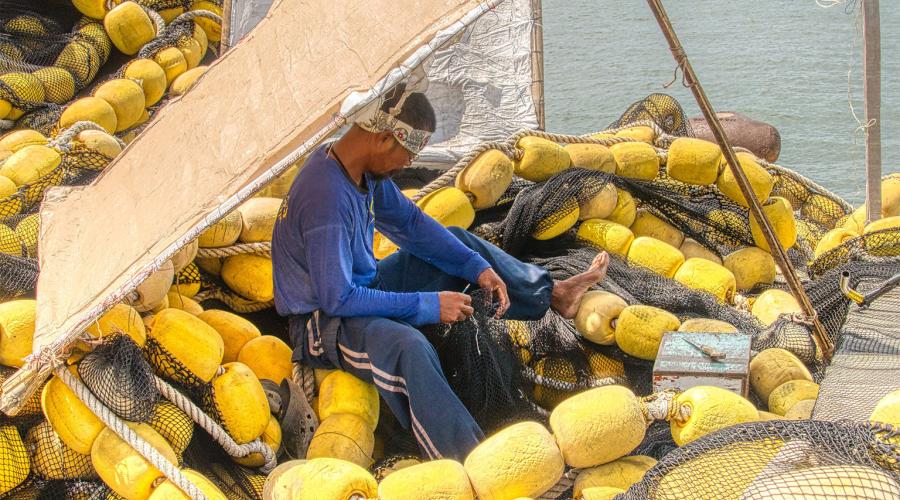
<point>263,248</point>
<point>194,14</point>
<point>215,430</point>
<point>63,141</point>
<point>662,406</point>
<point>118,426</point>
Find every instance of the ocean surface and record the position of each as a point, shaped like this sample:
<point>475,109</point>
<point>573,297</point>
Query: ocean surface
<point>784,62</point>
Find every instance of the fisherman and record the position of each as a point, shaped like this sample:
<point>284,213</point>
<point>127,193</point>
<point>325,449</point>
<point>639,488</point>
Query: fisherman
<point>347,311</point>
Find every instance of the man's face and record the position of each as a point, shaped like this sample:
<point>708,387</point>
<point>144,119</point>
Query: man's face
<point>390,157</point>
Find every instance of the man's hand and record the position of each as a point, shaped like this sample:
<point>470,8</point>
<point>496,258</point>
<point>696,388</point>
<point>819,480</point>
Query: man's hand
<point>455,306</point>
<point>491,283</point>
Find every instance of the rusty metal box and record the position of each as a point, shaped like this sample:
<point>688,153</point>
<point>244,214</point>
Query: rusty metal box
<point>681,365</point>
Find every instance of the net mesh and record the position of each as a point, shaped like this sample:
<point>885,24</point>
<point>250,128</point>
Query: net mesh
<point>47,55</point>
<point>51,459</point>
<point>117,373</point>
<point>777,459</point>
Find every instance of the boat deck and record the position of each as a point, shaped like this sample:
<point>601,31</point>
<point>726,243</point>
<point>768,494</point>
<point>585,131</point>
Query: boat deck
<point>866,364</point>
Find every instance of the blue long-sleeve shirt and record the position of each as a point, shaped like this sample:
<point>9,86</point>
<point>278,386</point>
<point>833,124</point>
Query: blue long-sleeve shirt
<point>322,253</point>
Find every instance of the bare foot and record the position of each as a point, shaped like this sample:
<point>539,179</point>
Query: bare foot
<point>567,294</point>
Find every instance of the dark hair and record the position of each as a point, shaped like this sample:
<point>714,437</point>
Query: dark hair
<point>416,111</point>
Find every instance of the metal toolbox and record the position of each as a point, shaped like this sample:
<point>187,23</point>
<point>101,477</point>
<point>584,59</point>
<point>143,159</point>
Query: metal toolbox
<point>682,364</point>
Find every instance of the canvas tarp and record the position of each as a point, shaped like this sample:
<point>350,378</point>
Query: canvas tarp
<point>257,109</point>
<point>482,87</point>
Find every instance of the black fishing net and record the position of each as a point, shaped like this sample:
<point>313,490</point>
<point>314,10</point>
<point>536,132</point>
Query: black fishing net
<point>480,364</point>
<point>51,459</point>
<point>15,463</point>
<point>882,246</point>
<point>173,424</point>
<point>778,459</point>
<point>662,109</point>
<point>47,55</point>
<point>168,367</point>
<point>207,457</point>
<point>117,373</point>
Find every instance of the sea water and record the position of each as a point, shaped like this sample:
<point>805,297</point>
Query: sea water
<point>784,62</point>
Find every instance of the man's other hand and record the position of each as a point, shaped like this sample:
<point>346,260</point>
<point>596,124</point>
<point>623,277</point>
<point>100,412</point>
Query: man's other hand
<point>455,306</point>
<point>490,282</point>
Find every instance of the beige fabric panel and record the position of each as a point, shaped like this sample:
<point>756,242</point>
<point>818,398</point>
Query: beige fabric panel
<point>270,93</point>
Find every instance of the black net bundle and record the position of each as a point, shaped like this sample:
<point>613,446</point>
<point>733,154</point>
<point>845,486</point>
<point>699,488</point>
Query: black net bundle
<point>47,55</point>
<point>117,373</point>
<point>662,109</point>
<point>537,207</point>
<point>778,459</point>
<point>480,364</point>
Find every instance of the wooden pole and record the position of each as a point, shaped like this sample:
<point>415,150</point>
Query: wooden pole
<point>225,44</point>
<point>872,97</point>
<point>822,341</point>
<point>537,62</point>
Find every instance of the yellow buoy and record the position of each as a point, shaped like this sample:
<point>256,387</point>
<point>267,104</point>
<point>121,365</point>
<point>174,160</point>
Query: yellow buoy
<point>152,79</point>
<point>449,206</point>
<point>694,161</point>
<point>522,460</point>
<point>626,209</point>
<point>345,437</point>
<point>171,60</point>
<point>773,367</point>
<point>710,409</point>
<point>707,325</point>
<point>91,109</point>
<point>129,27</point>
<point>701,274</point>
<point>341,392</point>
<point>122,468</point>
<point>693,249</point>
<point>610,415</point>
<point>186,80</point>
<point>558,222</point>
<point>234,330</point>
<point>486,178</point>
<point>635,160</point>
<point>59,85</point>
<point>541,160</point>
<point>833,239</point>
<point>780,213</point>
<point>601,205</point>
<point>596,316</point>
<point>592,156</point>
<point>16,331</point>
<point>126,98</point>
<point>751,267</point>
<point>640,328</point>
<point>269,357</point>
<point>786,395</point>
<point>621,473</point>
<point>648,224</point>
<point>773,303</point>
<point>761,182</point>
<point>614,238</point>
<point>250,276</point>
<point>655,255</point>
<point>238,402</point>
<point>641,133</point>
